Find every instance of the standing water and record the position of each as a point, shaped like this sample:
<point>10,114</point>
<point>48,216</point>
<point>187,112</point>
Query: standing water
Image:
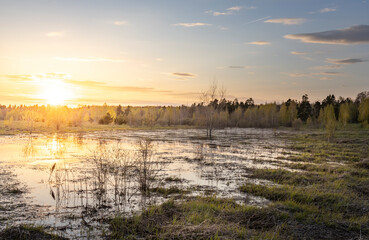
<point>73,183</point>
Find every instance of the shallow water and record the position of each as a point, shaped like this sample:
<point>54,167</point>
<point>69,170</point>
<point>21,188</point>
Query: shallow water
<point>72,201</point>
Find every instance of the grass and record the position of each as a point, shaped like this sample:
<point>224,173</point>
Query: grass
<point>200,218</point>
<point>326,198</point>
<point>330,192</point>
<point>19,127</point>
<point>169,191</point>
<point>28,232</point>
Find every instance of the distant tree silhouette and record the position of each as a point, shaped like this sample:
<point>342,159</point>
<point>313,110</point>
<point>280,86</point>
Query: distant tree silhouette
<point>361,97</point>
<point>304,109</point>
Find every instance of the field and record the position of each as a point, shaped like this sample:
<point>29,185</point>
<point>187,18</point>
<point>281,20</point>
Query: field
<point>176,183</point>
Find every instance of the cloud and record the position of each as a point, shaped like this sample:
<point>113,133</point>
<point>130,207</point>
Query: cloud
<point>196,24</point>
<point>287,21</point>
<point>235,8</point>
<point>259,43</point>
<point>237,67</point>
<point>29,77</point>
<point>352,35</point>
<point>328,73</point>
<point>88,59</point>
<point>327,67</point>
<point>159,59</point>
<point>222,13</point>
<point>120,23</point>
<point>257,20</point>
<point>183,74</point>
<point>184,94</point>
<point>103,86</point>
<point>325,10</point>
<point>223,28</point>
<point>84,83</point>
<point>298,53</point>
<point>295,75</point>
<point>129,89</point>
<point>17,77</point>
<point>55,34</point>
<point>345,61</point>
<point>229,11</point>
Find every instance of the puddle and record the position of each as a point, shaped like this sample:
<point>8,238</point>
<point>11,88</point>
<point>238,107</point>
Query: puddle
<point>62,187</point>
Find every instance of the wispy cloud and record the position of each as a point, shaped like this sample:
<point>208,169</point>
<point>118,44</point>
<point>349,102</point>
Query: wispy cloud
<point>298,53</point>
<point>345,61</point>
<point>325,10</point>
<point>88,59</point>
<point>120,23</point>
<point>259,43</point>
<point>223,28</point>
<point>32,77</point>
<point>235,8</point>
<point>298,75</point>
<point>17,77</point>
<point>295,74</point>
<point>195,24</point>
<point>327,67</point>
<point>236,67</point>
<point>287,21</point>
<point>352,35</point>
<point>85,83</point>
<point>257,20</point>
<point>245,67</point>
<point>328,73</point>
<point>55,34</point>
<point>183,74</point>
<point>222,13</point>
<point>229,11</point>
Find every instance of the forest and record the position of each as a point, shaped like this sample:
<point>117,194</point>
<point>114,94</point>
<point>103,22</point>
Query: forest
<point>210,113</point>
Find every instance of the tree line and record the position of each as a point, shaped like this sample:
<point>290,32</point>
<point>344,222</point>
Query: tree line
<point>210,113</point>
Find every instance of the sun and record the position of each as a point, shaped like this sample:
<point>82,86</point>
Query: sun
<point>55,92</point>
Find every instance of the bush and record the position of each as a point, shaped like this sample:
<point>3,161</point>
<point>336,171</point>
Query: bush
<point>120,120</point>
<point>107,119</point>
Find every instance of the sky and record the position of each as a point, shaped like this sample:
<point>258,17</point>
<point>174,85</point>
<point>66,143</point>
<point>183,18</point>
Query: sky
<point>166,52</point>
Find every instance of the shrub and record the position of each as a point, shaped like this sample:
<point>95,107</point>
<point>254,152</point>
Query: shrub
<point>107,119</point>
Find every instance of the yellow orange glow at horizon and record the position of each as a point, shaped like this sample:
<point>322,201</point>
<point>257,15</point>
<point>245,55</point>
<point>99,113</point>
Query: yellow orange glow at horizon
<point>55,91</point>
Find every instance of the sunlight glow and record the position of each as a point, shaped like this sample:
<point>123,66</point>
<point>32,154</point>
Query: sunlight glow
<point>55,91</point>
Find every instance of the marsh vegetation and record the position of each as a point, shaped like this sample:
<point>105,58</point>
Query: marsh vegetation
<point>304,175</point>
<point>242,183</point>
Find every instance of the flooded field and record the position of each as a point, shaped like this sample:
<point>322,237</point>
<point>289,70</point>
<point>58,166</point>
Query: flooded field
<point>72,183</point>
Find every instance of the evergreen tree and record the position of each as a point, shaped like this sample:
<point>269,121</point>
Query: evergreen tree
<point>304,109</point>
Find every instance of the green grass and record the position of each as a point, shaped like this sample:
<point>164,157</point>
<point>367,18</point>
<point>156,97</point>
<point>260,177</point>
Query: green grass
<point>330,191</point>
<point>169,191</point>
<point>28,232</point>
<point>322,194</point>
<point>200,218</point>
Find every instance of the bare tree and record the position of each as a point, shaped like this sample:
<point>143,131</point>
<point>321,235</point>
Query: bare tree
<point>212,101</point>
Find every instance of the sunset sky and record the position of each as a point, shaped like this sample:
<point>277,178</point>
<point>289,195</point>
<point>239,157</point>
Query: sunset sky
<point>167,51</point>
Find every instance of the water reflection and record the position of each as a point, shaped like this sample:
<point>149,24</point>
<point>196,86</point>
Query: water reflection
<point>100,174</point>
<point>57,145</point>
<point>29,150</point>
